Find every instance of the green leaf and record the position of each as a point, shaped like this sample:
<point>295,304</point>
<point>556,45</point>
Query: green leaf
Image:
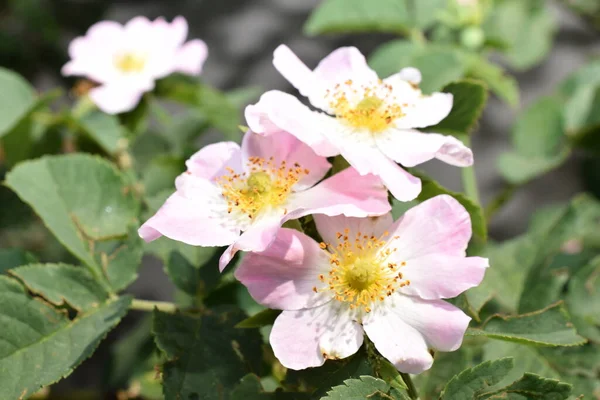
<point>445,366</point>
<point>18,97</point>
<point>583,296</point>
<point>431,189</point>
<point>103,129</point>
<point>470,98</point>
<point>532,386</point>
<point>61,283</point>
<point>220,112</point>
<point>160,174</point>
<point>547,327</point>
<point>11,258</point>
<point>41,345</point>
<point>196,280</point>
<point>207,355</point>
<point>438,65</point>
<point>120,260</point>
<point>250,388</point>
<point>502,85</point>
<point>263,318</point>
<point>527,27</point>
<point>539,142</point>
<point>81,199</point>
<point>366,387</point>
<point>472,382</point>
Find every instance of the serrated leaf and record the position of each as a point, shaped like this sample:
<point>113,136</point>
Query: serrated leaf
<point>547,327</point>
<point>472,382</point>
<point>470,98</point>
<point>366,387</point>
<point>103,129</point>
<point>60,283</point>
<point>17,99</point>
<point>532,386</point>
<point>40,346</point>
<point>501,84</point>
<point>196,280</point>
<point>11,258</point>
<point>207,355</point>
<point>583,296</point>
<point>438,65</point>
<point>80,198</point>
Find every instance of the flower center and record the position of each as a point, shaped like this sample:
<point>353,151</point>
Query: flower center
<point>361,274</point>
<point>264,185</point>
<point>130,62</point>
<point>368,107</point>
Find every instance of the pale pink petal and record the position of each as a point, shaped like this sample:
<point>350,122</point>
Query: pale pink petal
<point>282,110</point>
<point>257,237</point>
<point>342,64</point>
<point>305,338</point>
<point>213,160</point>
<point>139,29</point>
<point>403,345</point>
<point>330,227</point>
<point>437,276</point>
<point>103,31</point>
<point>410,148</point>
<point>191,56</point>
<point>440,225</point>
<point>284,275</point>
<point>116,99</point>
<point>426,111</point>
<point>179,30</point>
<point>282,146</point>
<point>346,193</point>
<point>187,221</point>
<point>294,70</point>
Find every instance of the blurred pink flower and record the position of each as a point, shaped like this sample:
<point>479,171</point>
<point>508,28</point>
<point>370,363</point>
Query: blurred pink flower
<point>255,189</point>
<point>370,276</point>
<point>126,60</point>
<point>371,122</point>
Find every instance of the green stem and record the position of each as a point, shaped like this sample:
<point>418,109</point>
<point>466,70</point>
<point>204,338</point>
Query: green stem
<point>497,202</point>
<point>468,177</point>
<point>412,390</point>
<point>147,305</point>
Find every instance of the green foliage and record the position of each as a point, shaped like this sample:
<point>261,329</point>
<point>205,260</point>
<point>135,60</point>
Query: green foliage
<point>103,129</point>
<point>472,382</point>
<point>365,387</point>
<point>18,98</point>
<point>263,318</point>
<point>206,355</point>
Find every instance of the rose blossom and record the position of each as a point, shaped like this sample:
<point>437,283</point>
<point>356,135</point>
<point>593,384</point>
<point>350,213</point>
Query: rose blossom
<point>370,276</point>
<point>126,60</point>
<point>369,121</point>
<point>255,189</point>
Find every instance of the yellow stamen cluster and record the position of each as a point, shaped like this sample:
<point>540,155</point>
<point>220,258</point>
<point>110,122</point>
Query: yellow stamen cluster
<point>130,62</point>
<point>361,273</point>
<point>265,184</point>
<point>375,111</point>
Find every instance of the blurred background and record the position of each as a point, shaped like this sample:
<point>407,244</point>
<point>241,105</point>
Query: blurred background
<point>241,35</point>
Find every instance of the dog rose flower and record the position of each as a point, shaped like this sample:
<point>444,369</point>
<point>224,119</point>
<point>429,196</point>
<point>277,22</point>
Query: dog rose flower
<point>370,276</point>
<point>371,122</point>
<point>126,60</point>
<point>254,190</point>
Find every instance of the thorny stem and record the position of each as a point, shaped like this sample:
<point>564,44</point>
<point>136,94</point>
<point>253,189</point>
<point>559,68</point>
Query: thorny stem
<point>468,177</point>
<point>412,390</point>
<point>147,305</point>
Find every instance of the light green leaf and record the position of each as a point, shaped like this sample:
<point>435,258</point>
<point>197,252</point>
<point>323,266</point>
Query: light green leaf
<point>18,97</point>
<point>583,296</point>
<point>103,129</point>
<point>519,169</point>
<point>41,345</point>
<point>445,366</point>
<point>547,327</point>
<point>80,198</point>
<point>438,65</point>
<point>501,84</point>
<point>366,387</point>
<point>207,355</point>
<point>11,258</point>
<point>220,112</point>
<point>527,27</point>
<point>472,382</point>
<point>160,174</point>
<point>61,283</point>
<point>470,98</point>
<point>532,386</point>
<point>120,259</point>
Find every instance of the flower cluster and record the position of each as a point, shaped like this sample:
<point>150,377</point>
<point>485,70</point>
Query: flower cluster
<point>366,274</point>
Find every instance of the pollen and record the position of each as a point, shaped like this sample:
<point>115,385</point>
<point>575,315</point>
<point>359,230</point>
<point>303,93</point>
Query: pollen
<point>129,63</point>
<point>265,184</point>
<point>362,272</point>
<point>372,108</point>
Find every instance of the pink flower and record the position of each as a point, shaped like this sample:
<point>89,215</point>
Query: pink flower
<point>255,189</point>
<point>369,121</point>
<point>126,60</point>
<point>371,276</point>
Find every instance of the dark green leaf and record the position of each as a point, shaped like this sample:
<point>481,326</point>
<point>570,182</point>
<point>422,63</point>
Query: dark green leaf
<point>160,174</point>
<point>11,258</point>
<point>18,97</point>
<point>194,279</point>
<point>61,283</point>
<point>472,382</point>
<point>40,346</point>
<point>583,297</point>
<point>366,387</point>
<point>207,355</point>
<point>470,98</point>
<point>263,318</point>
<point>532,386</point>
<point>547,327</point>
